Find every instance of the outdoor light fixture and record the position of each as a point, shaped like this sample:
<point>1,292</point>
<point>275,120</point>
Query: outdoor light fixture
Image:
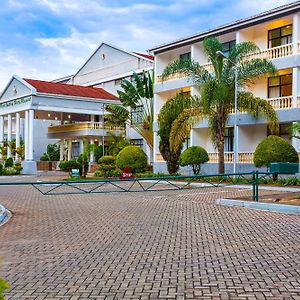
<point>69,116</point>
<point>235,136</point>
<point>49,115</point>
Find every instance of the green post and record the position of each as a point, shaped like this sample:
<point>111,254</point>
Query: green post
<point>255,182</point>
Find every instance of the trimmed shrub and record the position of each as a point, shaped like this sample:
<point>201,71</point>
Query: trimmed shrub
<point>133,157</point>
<point>83,160</point>
<point>67,166</point>
<point>9,162</point>
<point>18,167</point>
<point>9,171</point>
<point>44,157</point>
<point>274,149</point>
<point>194,156</point>
<point>107,160</point>
<point>4,285</point>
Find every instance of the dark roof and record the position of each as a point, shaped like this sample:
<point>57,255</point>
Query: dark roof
<point>151,57</point>
<point>70,90</point>
<point>277,12</point>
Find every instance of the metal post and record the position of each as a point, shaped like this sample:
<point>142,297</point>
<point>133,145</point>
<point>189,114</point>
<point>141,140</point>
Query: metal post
<point>235,143</point>
<point>255,182</point>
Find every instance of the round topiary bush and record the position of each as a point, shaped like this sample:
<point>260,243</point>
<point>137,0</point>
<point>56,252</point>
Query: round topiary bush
<point>274,149</point>
<point>133,157</point>
<point>106,160</point>
<point>194,156</point>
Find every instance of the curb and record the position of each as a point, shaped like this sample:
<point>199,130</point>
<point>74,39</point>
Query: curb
<point>280,208</point>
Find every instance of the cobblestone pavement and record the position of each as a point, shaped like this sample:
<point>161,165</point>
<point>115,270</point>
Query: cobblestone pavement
<point>155,245</point>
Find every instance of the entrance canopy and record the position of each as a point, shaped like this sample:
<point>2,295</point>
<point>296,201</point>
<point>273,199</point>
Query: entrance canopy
<point>25,94</point>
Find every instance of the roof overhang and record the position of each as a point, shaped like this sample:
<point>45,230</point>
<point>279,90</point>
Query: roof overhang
<point>278,12</point>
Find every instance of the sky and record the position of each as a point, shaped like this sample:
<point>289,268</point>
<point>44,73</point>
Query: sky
<point>48,39</point>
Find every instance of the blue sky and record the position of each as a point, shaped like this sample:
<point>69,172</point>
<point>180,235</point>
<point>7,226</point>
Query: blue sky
<point>47,39</point>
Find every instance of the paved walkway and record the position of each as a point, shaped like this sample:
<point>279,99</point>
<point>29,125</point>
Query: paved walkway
<point>156,245</point>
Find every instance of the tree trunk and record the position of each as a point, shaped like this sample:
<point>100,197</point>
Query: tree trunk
<point>221,159</point>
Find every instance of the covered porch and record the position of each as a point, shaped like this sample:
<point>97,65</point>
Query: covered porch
<point>38,112</point>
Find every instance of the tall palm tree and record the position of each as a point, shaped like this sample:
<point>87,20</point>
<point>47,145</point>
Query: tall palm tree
<point>137,93</point>
<point>217,89</point>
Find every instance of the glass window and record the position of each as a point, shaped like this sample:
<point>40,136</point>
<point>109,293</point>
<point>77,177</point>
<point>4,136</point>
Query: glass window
<point>228,46</point>
<point>280,86</point>
<point>185,56</point>
<point>137,115</point>
<point>280,36</point>
<point>229,139</point>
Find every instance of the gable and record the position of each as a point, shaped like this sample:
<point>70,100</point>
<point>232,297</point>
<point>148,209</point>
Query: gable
<point>15,89</point>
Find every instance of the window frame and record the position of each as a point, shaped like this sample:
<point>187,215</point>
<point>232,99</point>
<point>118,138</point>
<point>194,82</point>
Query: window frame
<point>138,112</point>
<point>230,47</point>
<point>280,37</point>
<point>229,139</point>
<point>280,85</point>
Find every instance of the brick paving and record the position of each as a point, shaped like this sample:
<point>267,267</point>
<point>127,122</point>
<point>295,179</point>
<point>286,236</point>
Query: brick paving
<point>156,245</point>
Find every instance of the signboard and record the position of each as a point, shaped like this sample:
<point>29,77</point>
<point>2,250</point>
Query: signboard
<point>15,102</point>
<point>75,173</point>
<point>126,173</point>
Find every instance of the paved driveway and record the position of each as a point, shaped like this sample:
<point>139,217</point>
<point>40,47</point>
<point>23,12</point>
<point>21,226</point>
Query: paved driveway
<point>156,245</point>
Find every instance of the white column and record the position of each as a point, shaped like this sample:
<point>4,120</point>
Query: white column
<point>26,134</point>
<point>17,133</point>
<point>9,129</point>
<point>295,33</point>
<point>92,118</point>
<point>30,134</point>
<point>61,149</point>
<point>1,129</point>
<point>92,142</point>
<point>295,86</point>
<point>69,149</point>
<point>1,132</point>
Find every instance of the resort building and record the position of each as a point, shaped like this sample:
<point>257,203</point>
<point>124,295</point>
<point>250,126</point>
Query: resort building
<point>277,34</point>
<point>71,109</point>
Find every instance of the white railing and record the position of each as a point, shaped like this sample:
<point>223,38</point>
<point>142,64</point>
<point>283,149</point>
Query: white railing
<point>281,102</point>
<point>214,157</point>
<point>82,126</point>
<point>271,53</point>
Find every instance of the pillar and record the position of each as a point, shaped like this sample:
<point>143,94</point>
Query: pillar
<point>9,129</point>
<point>17,133</point>
<point>30,134</point>
<point>69,149</point>
<point>26,131</point>
<point>295,85</point>
<point>61,149</point>
<point>92,142</point>
<point>92,118</point>
<point>1,132</point>
<point>295,33</point>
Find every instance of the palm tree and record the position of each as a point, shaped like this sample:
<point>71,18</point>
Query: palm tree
<point>167,115</point>
<point>137,93</point>
<point>216,100</point>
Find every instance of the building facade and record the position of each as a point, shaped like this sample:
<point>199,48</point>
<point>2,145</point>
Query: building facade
<point>71,109</point>
<point>277,34</point>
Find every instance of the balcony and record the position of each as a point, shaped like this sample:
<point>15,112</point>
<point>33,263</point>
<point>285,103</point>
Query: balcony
<point>83,128</point>
<point>271,53</point>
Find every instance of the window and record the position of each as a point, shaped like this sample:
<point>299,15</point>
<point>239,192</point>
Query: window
<point>284,131</point>
<point>228,46</point>
<point>280,86</point>
<point>137,142</point>
<point>185,56</point>
<point>280,36</point>
<point>137,115</point>
<point>186,143</point>
<point>229,139</point>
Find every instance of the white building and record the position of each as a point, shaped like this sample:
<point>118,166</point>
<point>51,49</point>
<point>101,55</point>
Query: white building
<point>69,109</point>
<point>277,34</point>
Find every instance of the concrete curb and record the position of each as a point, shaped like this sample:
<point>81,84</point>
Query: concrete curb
<point>4,215</point>
<point>281,208</point>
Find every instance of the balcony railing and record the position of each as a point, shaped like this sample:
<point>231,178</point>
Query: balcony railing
<point>243,157</point>
<point>82,126</point>
<point>271,53</point>
<point>281,102</point>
